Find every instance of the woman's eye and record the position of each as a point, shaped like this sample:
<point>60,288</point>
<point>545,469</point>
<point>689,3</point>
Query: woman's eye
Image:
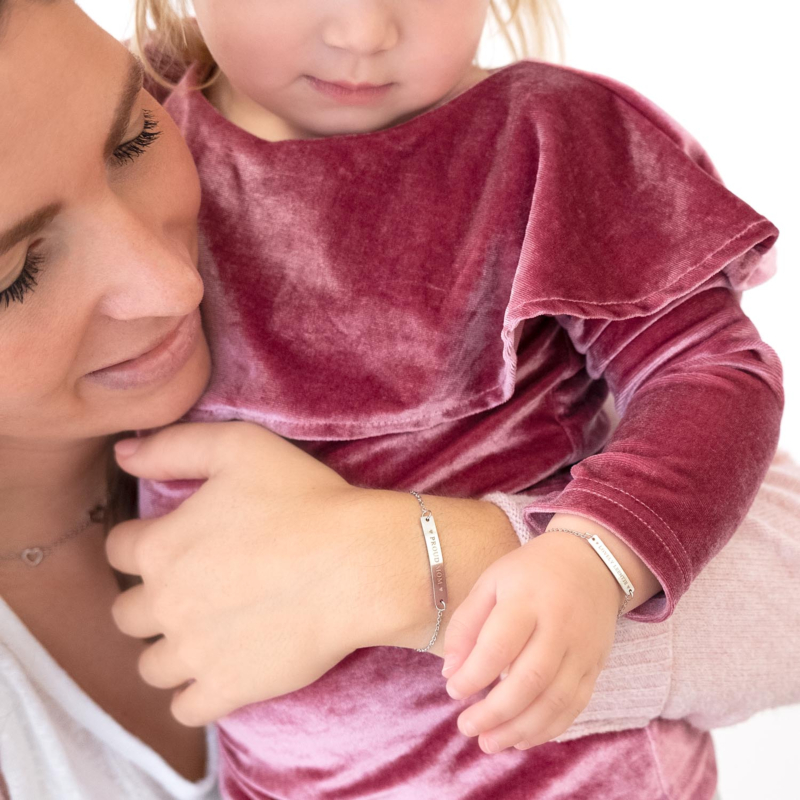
<point>127,152</point>
<point>26,282</point>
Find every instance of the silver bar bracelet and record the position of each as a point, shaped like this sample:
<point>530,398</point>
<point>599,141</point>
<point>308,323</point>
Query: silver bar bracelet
<point>436,560</point>
<point>608,559</point>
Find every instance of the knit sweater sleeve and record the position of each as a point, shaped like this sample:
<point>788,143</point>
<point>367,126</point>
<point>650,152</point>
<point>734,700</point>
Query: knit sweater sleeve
<point>672,669</point>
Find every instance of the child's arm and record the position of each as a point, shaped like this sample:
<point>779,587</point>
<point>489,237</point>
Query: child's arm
<point>549,610</point>
<point>721,657</point>
<point>700,400</point>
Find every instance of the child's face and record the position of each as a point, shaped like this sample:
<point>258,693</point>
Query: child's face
<point>329,67</point>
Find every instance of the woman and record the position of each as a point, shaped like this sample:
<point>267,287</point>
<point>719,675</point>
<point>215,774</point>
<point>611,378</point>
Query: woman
<point>111,244</point>
<point>104,226</point>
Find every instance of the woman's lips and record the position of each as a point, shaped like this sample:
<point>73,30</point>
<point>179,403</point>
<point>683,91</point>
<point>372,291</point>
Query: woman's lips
<point>351,94</point>
<point>159,363</point>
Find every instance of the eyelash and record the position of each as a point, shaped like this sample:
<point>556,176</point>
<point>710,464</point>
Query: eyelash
<point>125,154</point>
<point>130,151</point>
<point>24,283</point>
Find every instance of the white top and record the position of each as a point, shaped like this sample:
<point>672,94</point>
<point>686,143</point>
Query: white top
<point>56,743</point>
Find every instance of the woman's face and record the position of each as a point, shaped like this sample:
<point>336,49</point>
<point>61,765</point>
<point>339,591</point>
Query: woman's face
<point>99,290</point>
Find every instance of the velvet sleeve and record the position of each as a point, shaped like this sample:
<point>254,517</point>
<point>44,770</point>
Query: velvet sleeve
<point>641,253</point>
<point>699,399</point>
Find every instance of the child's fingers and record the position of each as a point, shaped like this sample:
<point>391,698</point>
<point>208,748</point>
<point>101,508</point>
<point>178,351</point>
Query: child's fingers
<point>564,722</point>
<point>465,625</point>
<point>557,705</point>
<point>502,637</point>
<point>534,669</point>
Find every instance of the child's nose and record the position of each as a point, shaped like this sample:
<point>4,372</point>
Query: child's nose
<point>362,27</point>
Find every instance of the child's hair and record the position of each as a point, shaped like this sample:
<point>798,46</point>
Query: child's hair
<point>529,27</point>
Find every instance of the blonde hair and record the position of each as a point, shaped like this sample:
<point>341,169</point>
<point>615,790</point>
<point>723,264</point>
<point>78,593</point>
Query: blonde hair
<point>165,34</point>
<point>531,28</point>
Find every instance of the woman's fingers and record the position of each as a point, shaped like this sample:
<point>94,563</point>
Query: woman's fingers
<point>533,671</point>
<point>123,546</point>
<point>133,616</point>
<point>195,707</point>
<point>188,451</point>
<point>500,640</point>
<point>160,666</point>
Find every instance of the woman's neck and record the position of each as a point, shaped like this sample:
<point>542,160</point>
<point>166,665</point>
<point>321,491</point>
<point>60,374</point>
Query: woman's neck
<point>48,487</point>
<point>65,603</point>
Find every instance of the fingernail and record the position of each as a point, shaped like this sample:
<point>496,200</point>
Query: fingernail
<point>468,729</point>
<point>449,666</point>
<point>491,745</point>
<point>521,745</point>
<point>504,674</point>
<point>127,447</point>
<point>454,693</point>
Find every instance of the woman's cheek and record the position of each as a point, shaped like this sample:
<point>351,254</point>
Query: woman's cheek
<point>170,184</point>
<point>36,372</point>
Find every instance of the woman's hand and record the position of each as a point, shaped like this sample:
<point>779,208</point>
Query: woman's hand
<point>547,612</point>
<point>251,581</point>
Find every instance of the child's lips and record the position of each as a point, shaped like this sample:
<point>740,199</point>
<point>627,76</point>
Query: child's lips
<point>352,94</point>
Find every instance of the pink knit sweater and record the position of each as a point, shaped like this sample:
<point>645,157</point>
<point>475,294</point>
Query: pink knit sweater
<point>733,644</point>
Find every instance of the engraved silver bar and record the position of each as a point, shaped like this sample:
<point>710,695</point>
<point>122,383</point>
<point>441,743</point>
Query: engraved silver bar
<point>612,564</point>
<point>438,582</point>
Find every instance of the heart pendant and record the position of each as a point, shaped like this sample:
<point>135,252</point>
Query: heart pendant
<point>32,556</point>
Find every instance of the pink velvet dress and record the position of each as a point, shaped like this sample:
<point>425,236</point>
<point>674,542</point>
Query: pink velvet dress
<point>444,306</point>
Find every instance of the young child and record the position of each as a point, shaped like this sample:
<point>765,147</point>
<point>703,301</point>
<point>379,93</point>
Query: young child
<point>430,276</point>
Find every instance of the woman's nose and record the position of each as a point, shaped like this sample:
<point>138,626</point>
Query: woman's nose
<point>144,271</point>
<point>361,27</point>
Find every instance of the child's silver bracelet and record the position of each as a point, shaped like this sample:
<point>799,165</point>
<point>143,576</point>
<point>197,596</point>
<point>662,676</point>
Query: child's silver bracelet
<point>436,559</point>
<point>608,559</point>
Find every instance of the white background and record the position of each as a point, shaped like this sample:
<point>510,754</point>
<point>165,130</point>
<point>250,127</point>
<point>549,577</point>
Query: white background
<point>728,70</point>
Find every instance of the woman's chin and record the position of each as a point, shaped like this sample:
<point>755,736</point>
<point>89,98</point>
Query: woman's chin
<point>140,409</point>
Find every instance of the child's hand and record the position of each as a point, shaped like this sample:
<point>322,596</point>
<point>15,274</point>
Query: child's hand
<point>548,611</point>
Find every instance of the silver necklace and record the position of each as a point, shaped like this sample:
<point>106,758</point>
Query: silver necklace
<point>33,556</point>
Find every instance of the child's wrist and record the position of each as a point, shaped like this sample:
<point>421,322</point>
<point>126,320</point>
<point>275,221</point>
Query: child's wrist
<point>645,583</point>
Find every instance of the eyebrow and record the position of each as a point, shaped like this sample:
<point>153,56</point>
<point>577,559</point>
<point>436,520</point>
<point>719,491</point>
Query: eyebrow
<point>29,226</point>
<point>35,222</point>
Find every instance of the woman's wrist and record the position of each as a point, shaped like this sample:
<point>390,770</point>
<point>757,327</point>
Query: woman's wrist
<point>473,534</point>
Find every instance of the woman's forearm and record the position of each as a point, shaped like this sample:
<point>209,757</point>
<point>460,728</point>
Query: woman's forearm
<point>277,569</point>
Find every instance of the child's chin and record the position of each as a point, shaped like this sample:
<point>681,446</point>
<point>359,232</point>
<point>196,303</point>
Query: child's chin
<point>349,121</point>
